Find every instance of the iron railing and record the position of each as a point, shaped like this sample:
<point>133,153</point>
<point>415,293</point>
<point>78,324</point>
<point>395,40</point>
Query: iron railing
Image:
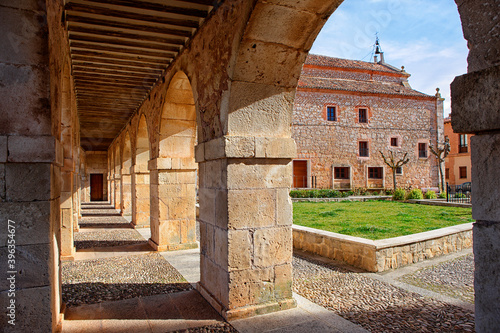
<point>459,193</point>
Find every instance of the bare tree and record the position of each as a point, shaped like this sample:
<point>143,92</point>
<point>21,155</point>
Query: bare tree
<point>441,152</point>
<point>394,163</point>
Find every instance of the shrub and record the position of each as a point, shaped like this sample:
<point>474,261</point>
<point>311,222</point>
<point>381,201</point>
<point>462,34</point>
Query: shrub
<point>442,195</point>
<point>323,193</point>
<point>430,195</point>
<point>460,195</point>
<point>382,192</point>
<point>399,194</point>
<point>415,194</point>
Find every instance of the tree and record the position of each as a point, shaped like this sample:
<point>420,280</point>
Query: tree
<point>395,164</point>
<point>441,152</point>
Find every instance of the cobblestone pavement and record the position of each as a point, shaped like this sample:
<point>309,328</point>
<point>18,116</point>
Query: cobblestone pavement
<point>117,278</point>
<point>104,238</point>
<point>454,278</point>
<point>373,304</point>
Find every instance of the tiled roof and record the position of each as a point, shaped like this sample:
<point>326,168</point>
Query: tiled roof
<point>324,61</point>
<point>375,87</point>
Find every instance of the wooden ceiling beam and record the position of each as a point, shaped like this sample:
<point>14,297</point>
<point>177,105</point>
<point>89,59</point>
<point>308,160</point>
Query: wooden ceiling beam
<point>156,7</point>
<point>114,78</point>
<point>119,34</point>
<point>115,62</point>
<point>84,8</point>
<point>121,42</point>
<point>117,69</point>
<point>137,58</point>
<point>83,71</point>
<point>121,50</point>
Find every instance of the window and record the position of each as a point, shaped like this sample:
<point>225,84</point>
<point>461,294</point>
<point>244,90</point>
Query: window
<point>341,172</point>
<point>363,149</point>
<point>331,113</point>
<point>363,115</point>
<point>375,173</point>
<point>447,173</point>
<point>394,142</point>
<point>399,170</point>
<point>463,172</point>
<point>422,150</point>
<point>462,146</point>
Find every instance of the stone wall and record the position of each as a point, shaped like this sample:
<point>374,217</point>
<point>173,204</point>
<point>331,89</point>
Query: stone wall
<point>384,254</point>
<point>95,162</point>
<point>328,144</point>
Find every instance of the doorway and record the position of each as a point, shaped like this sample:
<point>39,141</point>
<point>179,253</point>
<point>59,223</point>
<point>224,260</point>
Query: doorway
<point>96,187</point>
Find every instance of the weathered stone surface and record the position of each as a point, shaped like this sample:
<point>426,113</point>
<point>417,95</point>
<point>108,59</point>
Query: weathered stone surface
<point>239,249</point>
<point>272,246</point>
<point>32,264</point>
<point>472,112</point>
<point>32,310</point>
<point>480,24</point>
<point>2,182</point>
<point>27,182</point>
<point>259,109</point>
<point>3,149</point>
<point>486,277</point>
<point>31,221</point>
<point>255,174</point>
<point>251,208</point>
<point>298,25</point>
<point>485,155</point>
<point>31,148</point>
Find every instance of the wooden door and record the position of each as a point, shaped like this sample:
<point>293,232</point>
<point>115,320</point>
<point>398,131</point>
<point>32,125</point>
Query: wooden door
<point>299,174</point>
<point>96,187</point>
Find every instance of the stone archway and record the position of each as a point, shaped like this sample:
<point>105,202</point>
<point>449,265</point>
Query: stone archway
<point>126,188</point>
<point>140,177</point>
<point>173,173</point>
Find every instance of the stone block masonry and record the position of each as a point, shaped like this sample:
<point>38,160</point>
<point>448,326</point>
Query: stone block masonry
<point>384,254</point>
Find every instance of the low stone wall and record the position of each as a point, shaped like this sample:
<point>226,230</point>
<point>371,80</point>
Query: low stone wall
<point>384,254</point>
<point>351,198</point>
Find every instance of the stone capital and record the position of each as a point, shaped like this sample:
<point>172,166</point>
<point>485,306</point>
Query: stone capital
<point>246,147</point>
<point>172,163</point>
<point>475,101</point>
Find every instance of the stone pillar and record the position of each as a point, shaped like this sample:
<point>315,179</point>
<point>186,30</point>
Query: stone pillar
<point>140,197</point>
<point>76,201</point>
<point>475,99</point>
<point>126,204</point>
<point>118,191</point>
<point>173,200</point>
<point>67,229</point>
<point>246,224</point>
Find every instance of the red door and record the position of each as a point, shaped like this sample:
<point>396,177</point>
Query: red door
<point>299,174</point>
<point>96,187</point>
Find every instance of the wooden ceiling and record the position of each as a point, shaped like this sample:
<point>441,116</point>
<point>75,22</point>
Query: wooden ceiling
<point>119,49</point>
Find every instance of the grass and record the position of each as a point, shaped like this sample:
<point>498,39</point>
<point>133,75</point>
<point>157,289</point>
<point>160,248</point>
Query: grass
<point>377,219</point>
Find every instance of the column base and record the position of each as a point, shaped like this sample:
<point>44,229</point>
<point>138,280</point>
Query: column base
<point>172,247</point>
<point>68,258</point>
<point>139,226</point>
<point>246,311</point>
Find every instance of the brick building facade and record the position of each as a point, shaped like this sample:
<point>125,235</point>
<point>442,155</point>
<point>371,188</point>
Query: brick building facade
<point>346,112</point>
<point>458,161</point>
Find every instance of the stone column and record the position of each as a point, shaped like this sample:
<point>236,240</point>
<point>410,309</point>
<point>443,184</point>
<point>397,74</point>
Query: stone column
<point>173,199</point>
<point>246,224</point>
<point>118,191</point>
<point>475,99</point>
<point>140,197</point>
<point>126,204</point>
<point>67,229</point>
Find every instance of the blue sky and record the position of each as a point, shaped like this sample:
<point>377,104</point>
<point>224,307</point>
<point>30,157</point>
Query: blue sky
<point>425,36</point>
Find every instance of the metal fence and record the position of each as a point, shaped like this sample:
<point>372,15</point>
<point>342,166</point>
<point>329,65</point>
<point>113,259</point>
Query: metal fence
<point>459,193</point>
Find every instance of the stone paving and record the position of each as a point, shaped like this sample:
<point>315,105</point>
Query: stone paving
<point>364,299</point>
<point>375,305</point>
<point>454,278</point>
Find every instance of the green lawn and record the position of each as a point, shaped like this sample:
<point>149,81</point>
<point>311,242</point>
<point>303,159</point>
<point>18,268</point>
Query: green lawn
<point>377,219</point>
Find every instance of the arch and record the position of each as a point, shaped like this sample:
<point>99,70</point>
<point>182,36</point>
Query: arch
<point>178,119</point>
<point>142,146</point>
<point>117,173</point>
<point>173,181</point>
<point>140,177</point>
<point>126,179</point>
